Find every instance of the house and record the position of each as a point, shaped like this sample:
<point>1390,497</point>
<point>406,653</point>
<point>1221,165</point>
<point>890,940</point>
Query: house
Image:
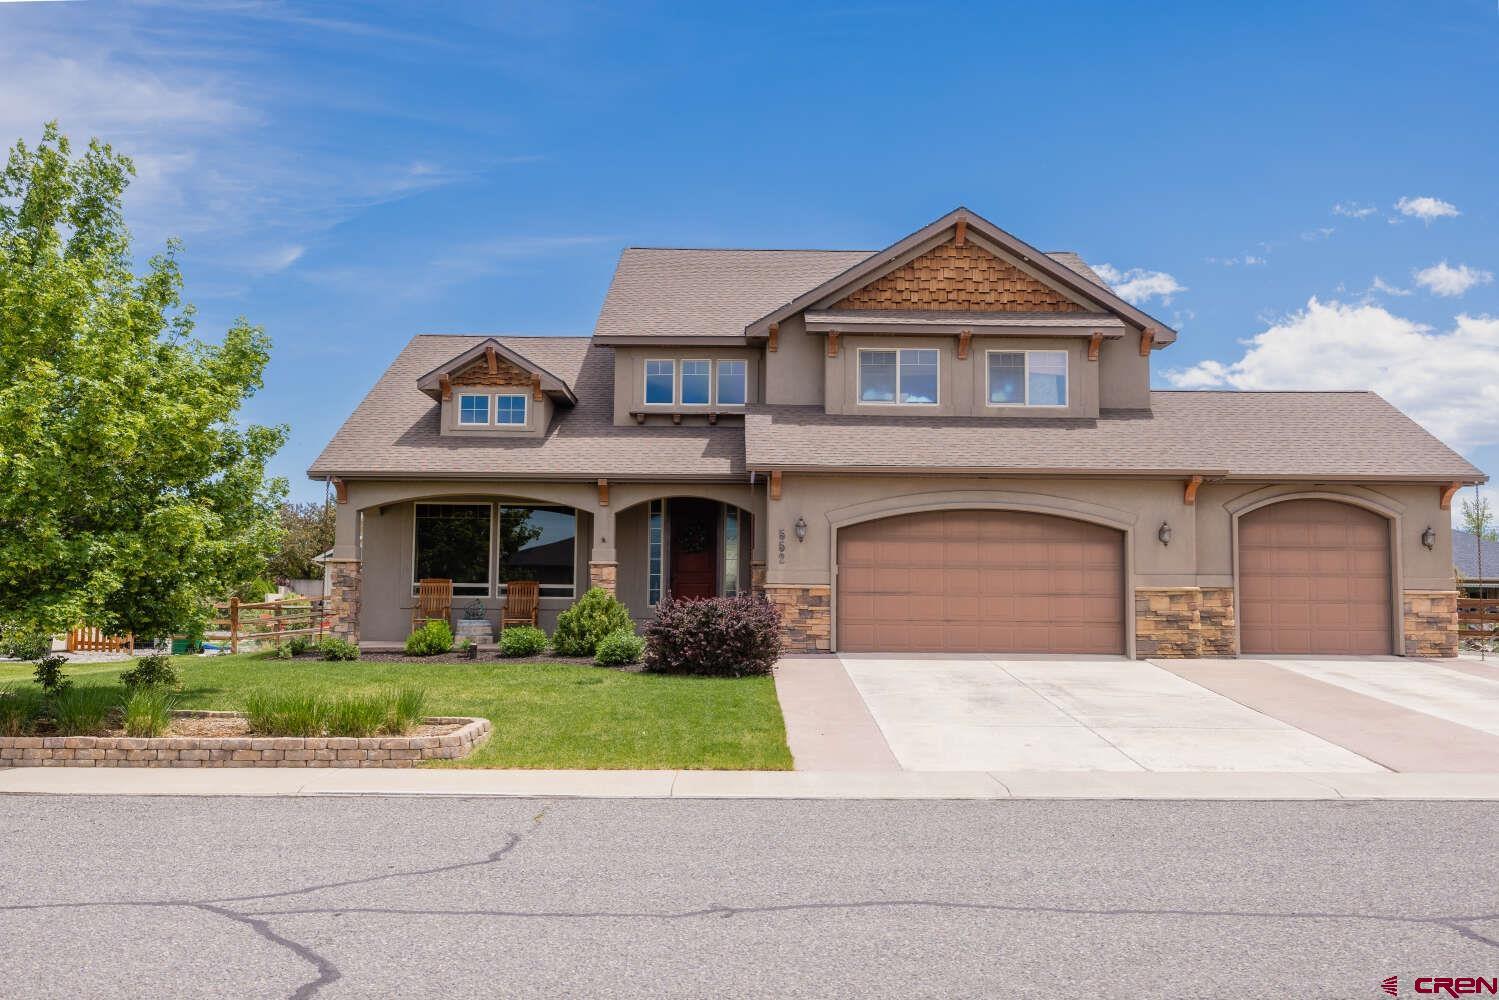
<point>950,444</point>
<point>1475,577</point>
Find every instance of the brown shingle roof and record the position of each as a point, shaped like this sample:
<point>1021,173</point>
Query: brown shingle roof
<point>1244,435</point>
<point>394,431</point>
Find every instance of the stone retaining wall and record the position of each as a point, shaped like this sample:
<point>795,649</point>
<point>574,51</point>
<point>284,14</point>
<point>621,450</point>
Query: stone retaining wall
<point>242,751</point>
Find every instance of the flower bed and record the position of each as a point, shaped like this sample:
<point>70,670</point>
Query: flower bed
<point>440,738</point>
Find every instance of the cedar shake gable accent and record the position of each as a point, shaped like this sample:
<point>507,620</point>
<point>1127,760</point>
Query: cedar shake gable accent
<point>492,363</point>
<point>959,277</point>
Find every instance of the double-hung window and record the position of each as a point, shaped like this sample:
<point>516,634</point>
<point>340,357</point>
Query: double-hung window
<point>731,378</point>
<point>660,383</point>
<point>697,383</point>
<point>905,377</point>
<point>510,410</point>
<point>1027,378</point>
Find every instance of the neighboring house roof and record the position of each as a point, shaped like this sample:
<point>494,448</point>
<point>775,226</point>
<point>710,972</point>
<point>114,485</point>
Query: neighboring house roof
<point>394,431</point>
<point>1240,435</point>
<point>1465,547</point>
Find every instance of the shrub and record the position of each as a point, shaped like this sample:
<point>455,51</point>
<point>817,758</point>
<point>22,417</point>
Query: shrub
<point>151,671</point>
<point>580,627</point>
<point>83,711</point>
<point>298,645</point>
<point>358,715</point>
<point>49,674</point>
<point>20,643</point>
<point>19,710</point>
<point>286,714</point>
<point>719,637</point>
<point>432,638</point>
<point>618,648</point>
<point>523,640</point>
<point>283,653</point>
<point>407,709</point>
<point>148,711</point>
<point>333,648</point>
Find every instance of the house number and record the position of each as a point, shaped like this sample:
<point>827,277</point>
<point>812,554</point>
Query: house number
<point>781,547</point>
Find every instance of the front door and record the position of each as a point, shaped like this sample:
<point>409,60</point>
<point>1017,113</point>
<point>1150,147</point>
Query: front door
<point>694,549</point>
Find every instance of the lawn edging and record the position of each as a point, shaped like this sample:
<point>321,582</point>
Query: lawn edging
<point>244,751</point>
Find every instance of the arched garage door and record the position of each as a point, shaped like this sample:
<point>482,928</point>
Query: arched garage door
<point>1314,577</point>
<point>980,581</point>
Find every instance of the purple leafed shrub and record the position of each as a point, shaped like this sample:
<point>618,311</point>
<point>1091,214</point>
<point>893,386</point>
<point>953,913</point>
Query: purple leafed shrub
<point>716,637</point>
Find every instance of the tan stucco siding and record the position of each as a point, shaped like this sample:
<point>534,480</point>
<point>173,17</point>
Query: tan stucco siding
<point>794,371</point>
<point>1123,374</point>
<point>629,380</point>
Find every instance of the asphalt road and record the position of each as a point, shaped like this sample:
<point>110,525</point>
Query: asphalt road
<point>443,897</point>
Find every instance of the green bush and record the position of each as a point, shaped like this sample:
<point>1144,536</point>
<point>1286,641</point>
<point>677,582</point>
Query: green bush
<point>19,710</point>
<point>20,643</point>
<point>432,639</point>
<point>523,640</point>
<point>619,648</point>
<point>298,646</point>
<point>595,615</point>
<point>286,714</point>
<point>49,674</point>
<point>148,711</point>
<point>333,648</point>
<point>390,711</point>
<point>83,711</point>
<point>151,671</point>
<point>283,653</point>
<point>358,715</point>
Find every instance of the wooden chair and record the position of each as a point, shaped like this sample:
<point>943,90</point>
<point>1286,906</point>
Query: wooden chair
<point>522,603</point>
<point>434,600</point>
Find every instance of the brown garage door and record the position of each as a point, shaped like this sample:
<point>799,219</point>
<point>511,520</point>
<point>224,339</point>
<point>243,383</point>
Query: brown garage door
<point>1314,577</point>
<point>980,581</point>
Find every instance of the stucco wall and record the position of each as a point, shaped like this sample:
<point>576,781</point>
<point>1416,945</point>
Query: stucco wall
<point>793,371</point>
<point>629,380</point>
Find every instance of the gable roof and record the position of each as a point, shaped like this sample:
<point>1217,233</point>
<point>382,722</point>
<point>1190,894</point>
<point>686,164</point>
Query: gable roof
<point>431,383</point>
<point>1071,274</point>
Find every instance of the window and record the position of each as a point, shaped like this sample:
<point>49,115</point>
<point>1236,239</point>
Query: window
<point>510,410</point>
<point>655,543</point>
<point>731,526</point>
<point>697,377</point>
<point>660,382</point>
<point>731,376</point>
<point>906,377</point>
<point>541,544</point>
<point>1027,378</point>
<point>473,409</point>
<point>452,543</point>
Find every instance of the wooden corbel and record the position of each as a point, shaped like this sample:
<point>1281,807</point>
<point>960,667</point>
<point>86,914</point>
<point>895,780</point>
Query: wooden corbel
<point>1189,495</point>
<point>639,416</point>
<point>340,490</point>
<point>603,492</point>
<point>676,418</point>
<point>536,387</point>
<point>775,336</point>
<point>1448,492</point>
<point>1147,338</point>
<point>713,417</point>
<point>445,383</point>
<point>489,358</point>
<point>775,484</point>
<point>1094,343</point>
<point>832,343</point>
<point>962,233</point>
<point>965,340</point>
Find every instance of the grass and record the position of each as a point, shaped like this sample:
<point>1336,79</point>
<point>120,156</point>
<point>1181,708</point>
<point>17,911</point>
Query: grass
<point>148,711</point>
<point>545,715</point>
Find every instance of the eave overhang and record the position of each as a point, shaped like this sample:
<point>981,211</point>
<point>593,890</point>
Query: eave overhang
<point>950,323</point>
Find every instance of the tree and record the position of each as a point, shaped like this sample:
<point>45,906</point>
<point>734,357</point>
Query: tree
<point>306,532</point>
<point>130,494</point>
<point>1479,522</point>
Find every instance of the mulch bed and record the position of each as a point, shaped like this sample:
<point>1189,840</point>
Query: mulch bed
<point>220,726</point>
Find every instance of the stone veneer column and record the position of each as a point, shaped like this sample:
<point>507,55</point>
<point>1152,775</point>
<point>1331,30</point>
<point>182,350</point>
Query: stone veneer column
<point>605,575</point>
<point>1430,622</point>
<point>1219,627</point>
<point>806,616</point>
<point>344,580</point>
<point>1168,621</point>
<point>757,578</point>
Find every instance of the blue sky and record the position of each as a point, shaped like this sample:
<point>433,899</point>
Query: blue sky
<point>1307,191</point>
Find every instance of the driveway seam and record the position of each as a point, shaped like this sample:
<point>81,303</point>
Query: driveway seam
<point>1063,709</point>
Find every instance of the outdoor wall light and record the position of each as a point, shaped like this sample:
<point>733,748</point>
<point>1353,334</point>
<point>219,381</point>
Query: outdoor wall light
<point>800,528</point>
<point>1429,537</point>
<point>1164,533</point>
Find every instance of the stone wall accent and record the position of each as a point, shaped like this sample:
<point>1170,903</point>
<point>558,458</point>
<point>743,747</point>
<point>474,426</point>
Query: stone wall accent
<point>1220,627</point>
<point>953,277</point>
<point>757,578</point>
<point>604,574</point>
<point>242,751</point>
<point>344,578</point>
<point>806,617</point>
<point>1185,622</point>
<point>1430,622</point>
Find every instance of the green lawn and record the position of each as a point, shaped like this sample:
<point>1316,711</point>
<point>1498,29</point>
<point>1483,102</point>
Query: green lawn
<point>545,715</point>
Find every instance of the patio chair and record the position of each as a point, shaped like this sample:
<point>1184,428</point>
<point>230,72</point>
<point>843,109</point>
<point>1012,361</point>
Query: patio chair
<point>434,601</point>
<point>522,603</point>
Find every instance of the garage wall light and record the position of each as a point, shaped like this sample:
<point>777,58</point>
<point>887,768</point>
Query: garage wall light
<point>801,529</point>
<point>1164,533</point>
<point>1429,537</point>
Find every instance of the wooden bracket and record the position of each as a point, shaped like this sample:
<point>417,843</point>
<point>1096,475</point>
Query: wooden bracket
<point>1448,492</point>
<point>446,385</point>
<point>1147,338</point>
<point>775,336</point>
<point>340,490</point>
<point>712,417</point>
<point>536,387</point>
<point>489,358</point>
<point>962,232</point>
<point>639,416</point>
<point>965,340</point>
<point>603,492</point>
<point>1094,343</point>
<point>832,343</point>
<point>676,418</point>
<point>775,484</point>
<point>1189,496</point>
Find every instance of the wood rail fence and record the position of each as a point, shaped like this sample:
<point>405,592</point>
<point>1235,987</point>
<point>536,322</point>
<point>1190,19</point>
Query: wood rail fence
<point>1477,619</point>
<point>93,640</point>
<point>271,621</point>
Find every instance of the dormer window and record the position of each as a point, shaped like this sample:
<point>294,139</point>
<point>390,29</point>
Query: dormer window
<point>697,379</point>
<point>510,411</point>
<point>660,383</point>
<point>904,378</point>
<point>473,410</point>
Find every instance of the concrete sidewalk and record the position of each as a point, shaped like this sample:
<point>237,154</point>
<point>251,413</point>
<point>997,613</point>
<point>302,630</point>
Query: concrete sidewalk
<point>753,784</point>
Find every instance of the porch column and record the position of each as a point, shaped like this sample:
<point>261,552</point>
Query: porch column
<point>758,560</point>
<point>603,569</point>
<point>345,571</point>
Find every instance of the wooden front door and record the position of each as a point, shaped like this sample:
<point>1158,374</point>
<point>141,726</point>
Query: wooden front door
<point>694,549</point>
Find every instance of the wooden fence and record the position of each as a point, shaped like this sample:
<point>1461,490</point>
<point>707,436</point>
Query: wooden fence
<point>93,640</point>
<point>271,622</point>
<point>1477,619</point>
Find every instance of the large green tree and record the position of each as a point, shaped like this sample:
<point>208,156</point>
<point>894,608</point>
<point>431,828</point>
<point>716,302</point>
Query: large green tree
<point>307,532</point>
<point>130,492</point>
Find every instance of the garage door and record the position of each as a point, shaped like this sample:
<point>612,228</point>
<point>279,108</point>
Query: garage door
<point>979,581</point>
<point>1314,577</point>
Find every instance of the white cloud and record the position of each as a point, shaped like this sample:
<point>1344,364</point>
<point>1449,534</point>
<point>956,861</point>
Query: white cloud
<point>1448,281</point>
<point>1320,233</point>
<point>1449,382</point>
<point>1426,208</point>
<point>1381,285</point>
<point>1248,260</point>
<point>1354,210</point>
<point>1138,285</point>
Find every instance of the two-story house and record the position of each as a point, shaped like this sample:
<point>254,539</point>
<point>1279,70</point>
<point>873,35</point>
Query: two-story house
<point>950,444</point>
